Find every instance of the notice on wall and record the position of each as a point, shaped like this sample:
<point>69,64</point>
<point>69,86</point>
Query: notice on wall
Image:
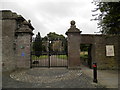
<point>110,50</point>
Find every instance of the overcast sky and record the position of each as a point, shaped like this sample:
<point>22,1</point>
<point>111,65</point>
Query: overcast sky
<point>54,15</point>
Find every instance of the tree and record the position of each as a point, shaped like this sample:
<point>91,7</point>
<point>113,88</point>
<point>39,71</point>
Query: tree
<point>54,36</point>
<point>66,46</point>
<point>57,41</point>
<point>37,45</point>
<point>84,47</point>
<point>109,17</point>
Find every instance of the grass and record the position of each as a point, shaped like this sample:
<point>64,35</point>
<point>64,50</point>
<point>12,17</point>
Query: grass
<point>40,57</point>
<point>62,56</point>
<point>84,54</point>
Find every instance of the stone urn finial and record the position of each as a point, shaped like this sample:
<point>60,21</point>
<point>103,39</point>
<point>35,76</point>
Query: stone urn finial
<point>73,28</point>
<point>29,21</point>
<point>72,22</point>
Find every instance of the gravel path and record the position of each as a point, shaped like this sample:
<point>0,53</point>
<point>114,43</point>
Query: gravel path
<point>47,78</point>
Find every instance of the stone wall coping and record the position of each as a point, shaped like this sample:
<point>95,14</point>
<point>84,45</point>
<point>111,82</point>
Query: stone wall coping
<point>24,31</point>
<point>72,32</point>
<point>9,15</point>
<point>99,35</point>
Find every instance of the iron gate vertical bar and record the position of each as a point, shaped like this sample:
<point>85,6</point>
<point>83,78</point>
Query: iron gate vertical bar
<point>49,54</point>
<point>48,59</point>
<point>54,55</point>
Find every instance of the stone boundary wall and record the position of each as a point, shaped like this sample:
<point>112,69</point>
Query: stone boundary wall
<point>98,51</point>
<point>0,51</point>
<point>8,31</point>
<point>13,27</point>
<point>17,37</point>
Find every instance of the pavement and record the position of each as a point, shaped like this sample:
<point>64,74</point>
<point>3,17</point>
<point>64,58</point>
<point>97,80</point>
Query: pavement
<point>59,78</point>
<point>47,78</point>
<point>107,78</point>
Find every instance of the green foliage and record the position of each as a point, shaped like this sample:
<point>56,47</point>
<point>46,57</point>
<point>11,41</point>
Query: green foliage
<point>52,42</point>
<point>37,45</point>
<point>84,56</point>
<point>109,17</point>
<point>84,47</point>
<point>52,36</point>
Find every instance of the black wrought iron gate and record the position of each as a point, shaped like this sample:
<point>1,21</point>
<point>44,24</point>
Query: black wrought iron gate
<point>53,54</point>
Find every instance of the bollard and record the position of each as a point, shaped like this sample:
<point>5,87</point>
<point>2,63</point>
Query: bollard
<point>95,72</point>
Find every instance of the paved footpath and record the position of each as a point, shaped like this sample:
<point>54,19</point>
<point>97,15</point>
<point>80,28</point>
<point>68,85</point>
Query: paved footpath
<point>48,78</point>
<point>108,78</point>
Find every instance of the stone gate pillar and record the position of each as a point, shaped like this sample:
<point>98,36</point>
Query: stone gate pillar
<point>73,34</point>
<point>23,45</point>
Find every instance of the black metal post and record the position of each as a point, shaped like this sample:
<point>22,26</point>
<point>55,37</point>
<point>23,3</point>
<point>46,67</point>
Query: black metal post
<point>95,72</point>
